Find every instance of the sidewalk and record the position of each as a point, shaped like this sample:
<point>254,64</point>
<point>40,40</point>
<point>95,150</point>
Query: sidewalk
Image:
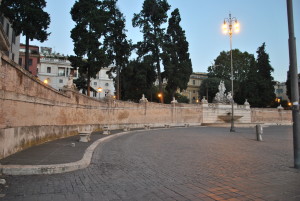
<point>58,156</point>
<point>43,159</point>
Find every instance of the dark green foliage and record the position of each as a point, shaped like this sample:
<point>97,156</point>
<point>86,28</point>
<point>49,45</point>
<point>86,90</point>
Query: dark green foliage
<point>266,84</point>
<point>81,83</point>
<point>176,59</point>
<point>243,62</point>
<point>92,20</point>
<point>118,48</point>
<point>137,79</point>
<point>243,68</point>
<point>27,18</point>
<point>151,18</point>
<point>252,79</point>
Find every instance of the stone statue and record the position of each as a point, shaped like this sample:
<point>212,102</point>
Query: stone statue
<point>70,84</point>
<point>143,99</point>
<point>221,96</point>
<point>204,100</point>
<point>221,87</point>
<point>229,97</point>
<point>174,100</point>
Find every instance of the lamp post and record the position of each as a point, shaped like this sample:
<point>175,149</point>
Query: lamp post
<point>229,25</point>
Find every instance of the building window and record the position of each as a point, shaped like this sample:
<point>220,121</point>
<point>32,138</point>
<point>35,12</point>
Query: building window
<point>106,84</point>
<point>194,91</point>
<point>194,82</point>
<point>30,62</point>
<point>61,81</point>
<point>20,61</point>
<point>13,56</point>
<point>279,91</point>
<point>48,69</point>
<point>61,71</point>
<point>95,83</point>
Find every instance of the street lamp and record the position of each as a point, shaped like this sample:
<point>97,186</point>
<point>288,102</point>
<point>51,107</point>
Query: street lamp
<point>160,97</point>
<point>229,25</point>
<point>99,91</point>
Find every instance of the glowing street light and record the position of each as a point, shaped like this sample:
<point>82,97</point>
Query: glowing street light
<point>231,24</point>
<point>160,96</point>
<point>46,81</point>
<point>99,91</point>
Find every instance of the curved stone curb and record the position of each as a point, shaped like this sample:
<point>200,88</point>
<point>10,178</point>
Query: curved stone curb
<point>57,168</point>
<point>64,167</point>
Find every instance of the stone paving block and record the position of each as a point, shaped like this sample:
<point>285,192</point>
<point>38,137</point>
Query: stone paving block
<point>193,163</point>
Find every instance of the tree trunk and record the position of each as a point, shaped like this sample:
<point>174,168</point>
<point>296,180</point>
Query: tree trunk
<point>158,67</point>
<point>27,54</point>
<point>118,83</point>
<point>88,85</point>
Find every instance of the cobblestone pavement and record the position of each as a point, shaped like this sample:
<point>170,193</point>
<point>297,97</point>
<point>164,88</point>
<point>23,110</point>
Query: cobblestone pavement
<point>196,163</point>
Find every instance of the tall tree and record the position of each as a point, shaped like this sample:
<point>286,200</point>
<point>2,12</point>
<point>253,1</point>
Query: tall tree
<point>27,18</point>
<point>137,79</point>
<point>176,58</point>
<point>118,47</point>
<point>151,18</point>
<point>242,64</point>
<point>266,84</point>
<point>91,18</point>
<point>244,67</point>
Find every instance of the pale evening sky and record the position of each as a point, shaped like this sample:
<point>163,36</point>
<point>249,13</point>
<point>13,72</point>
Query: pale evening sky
<point>261,21</point>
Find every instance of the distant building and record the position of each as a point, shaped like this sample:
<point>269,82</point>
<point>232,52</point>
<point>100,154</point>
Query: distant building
<point>192,91</point>
<point>280,91</point>
<point>56,69</point>
<point>9,42</point>
<point>34,58</point>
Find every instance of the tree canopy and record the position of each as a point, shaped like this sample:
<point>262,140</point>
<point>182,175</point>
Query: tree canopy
<point>252,78</point>
<point>94,21</point>
<point>176,58</point>
<point>266,83</point>
<point>27,18</point>
<point>150,19</point>
<point>137,79</point>
<point>118,47</point>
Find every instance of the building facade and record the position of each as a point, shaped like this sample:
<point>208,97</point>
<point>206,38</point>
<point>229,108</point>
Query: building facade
<point>280,91</point>
<point>9,42</point>
<point>34,58</point>
<point>192,91</point>
<point>56,70</point>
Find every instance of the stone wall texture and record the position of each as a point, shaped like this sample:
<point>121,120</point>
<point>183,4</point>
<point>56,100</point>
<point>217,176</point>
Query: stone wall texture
<point>32,112</point>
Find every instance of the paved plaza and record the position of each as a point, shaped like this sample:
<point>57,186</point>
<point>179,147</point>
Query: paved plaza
<point>195,163</point>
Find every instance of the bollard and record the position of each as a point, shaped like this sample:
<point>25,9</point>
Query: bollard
<point>259,132</point>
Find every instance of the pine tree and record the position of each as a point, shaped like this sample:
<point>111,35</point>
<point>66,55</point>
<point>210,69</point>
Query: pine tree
<point>27,18</point>
<point>91,18</point>
<point>176,59</point>
<point>266,81</point>
<point>118,47</point>
<point>151,18</point>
